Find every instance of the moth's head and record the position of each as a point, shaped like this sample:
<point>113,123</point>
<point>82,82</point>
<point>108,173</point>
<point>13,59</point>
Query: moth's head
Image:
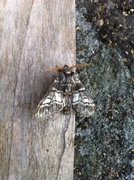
<point>67,69</point>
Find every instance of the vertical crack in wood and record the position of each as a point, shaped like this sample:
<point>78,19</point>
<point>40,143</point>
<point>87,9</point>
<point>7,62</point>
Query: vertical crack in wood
<point>12,120</point>
<point>64,144</point>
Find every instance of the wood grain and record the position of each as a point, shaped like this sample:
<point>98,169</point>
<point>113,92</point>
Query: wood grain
<point>35,35</point>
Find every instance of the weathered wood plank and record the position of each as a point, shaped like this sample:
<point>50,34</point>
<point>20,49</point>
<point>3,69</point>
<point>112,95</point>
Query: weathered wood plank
<point>35,35</point>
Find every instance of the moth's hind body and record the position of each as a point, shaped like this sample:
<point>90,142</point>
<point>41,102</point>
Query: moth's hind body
<point>68,81</point>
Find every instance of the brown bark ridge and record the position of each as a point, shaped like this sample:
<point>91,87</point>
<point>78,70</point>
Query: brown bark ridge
<point>35,35</point>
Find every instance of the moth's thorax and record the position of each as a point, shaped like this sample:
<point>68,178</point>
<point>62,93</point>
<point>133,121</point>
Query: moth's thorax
<point>69,78</point>
<point>65,76</point>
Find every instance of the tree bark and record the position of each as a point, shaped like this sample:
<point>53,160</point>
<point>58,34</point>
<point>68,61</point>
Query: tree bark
<point>35,35</point>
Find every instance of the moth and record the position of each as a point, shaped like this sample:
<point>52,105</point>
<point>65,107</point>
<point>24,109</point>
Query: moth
<point>67,93</point>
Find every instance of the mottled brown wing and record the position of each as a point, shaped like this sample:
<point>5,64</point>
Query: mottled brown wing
<point>81,103</point>
<point>51,103</point>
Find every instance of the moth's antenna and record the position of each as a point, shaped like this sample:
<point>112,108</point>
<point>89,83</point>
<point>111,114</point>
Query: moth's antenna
<point>62,68</point>
<point>55,69</point>
<point>79,65</point>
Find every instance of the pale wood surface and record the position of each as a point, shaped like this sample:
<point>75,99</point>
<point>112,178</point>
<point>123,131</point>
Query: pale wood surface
<point>35,35</point>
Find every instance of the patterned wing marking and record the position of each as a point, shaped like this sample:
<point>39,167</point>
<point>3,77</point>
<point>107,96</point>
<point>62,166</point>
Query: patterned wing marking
<point>51,103</point>
<point>81,103</point>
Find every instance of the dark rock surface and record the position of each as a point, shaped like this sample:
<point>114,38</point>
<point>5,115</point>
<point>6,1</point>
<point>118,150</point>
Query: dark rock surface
<point>105,39</point>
